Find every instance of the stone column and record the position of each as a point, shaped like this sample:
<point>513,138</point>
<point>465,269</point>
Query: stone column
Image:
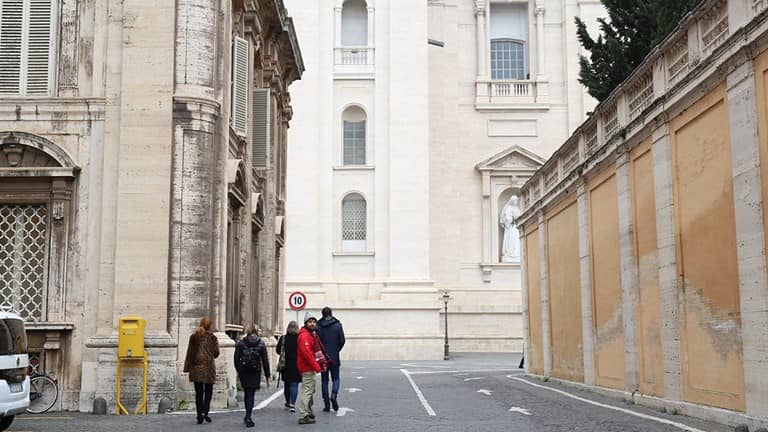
<point>539,11</point>
<point>667,260</point>
<point>524,300</point>
<point>628,265</point>
<point>371,29</point>
<point>337,10</point>
<point>585,272</point>
<point>546,337</point>
<point>482,40</point>
<point>750,235</point>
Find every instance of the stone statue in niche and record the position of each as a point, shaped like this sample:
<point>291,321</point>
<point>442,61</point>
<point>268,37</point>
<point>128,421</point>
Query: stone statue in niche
<point>510,247</point>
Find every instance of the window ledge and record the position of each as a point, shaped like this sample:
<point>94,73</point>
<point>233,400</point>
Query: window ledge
<point>352,254</point>
<point>354,168</point>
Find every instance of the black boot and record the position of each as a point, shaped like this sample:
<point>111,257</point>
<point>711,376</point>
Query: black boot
<point>326,405</point>
<point>335,403</point>
<point>199,419</point>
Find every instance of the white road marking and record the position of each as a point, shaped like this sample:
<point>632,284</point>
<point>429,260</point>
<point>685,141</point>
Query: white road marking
<point>353,390</point>
<point>522,411</point>
<point>359,367</point>
<point>611,407</point>
<point>343,411</point>
<point>425,366</point>
<point>461,374</point>
<point>462,371</point>
<point>473,379</point>
<point>359,377</point>
<point>485,392</point>
<point>421,397</point>
<point>268,401</point>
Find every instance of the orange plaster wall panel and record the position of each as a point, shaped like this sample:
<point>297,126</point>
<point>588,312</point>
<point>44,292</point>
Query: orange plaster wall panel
<point>565,293</point>
<point>712,364</point>
<point>536,354</point>
<point>651,367</point>
<point>761,97</point>
<point>606,281</point>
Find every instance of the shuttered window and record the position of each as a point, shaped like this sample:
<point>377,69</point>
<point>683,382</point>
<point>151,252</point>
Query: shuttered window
<point>27,34</point>
<point>354,142</point>
<point>240,78</point>
<point>261,133</point>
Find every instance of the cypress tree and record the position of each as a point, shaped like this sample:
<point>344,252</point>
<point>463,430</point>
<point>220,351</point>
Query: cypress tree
<point>632,29</point>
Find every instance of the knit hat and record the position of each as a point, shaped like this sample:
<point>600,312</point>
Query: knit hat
<point>308,316</point>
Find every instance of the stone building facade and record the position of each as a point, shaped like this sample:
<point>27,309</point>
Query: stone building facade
<point>142,172</point>
<point>412,151</point>
<point>644,235</point>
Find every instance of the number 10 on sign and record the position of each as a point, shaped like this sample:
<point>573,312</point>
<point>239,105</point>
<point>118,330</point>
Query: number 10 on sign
<point>297,301</point>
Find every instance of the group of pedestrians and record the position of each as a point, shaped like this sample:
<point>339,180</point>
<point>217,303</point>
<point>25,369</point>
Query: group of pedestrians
<point>303,353</point>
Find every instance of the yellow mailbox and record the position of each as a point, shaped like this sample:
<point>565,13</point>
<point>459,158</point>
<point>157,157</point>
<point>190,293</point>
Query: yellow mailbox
<point>130,343</point>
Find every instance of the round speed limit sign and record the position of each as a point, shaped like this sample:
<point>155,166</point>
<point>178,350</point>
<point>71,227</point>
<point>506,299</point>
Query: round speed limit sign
<point>297,300</point>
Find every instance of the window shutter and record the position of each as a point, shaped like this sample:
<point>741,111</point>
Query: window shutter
<point>240,53</point>
<point>38,48</point>
<point>260,135</point>
<point>11,18</point>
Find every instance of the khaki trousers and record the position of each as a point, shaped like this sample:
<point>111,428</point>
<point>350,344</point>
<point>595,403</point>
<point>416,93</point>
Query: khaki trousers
<point>307,394</point>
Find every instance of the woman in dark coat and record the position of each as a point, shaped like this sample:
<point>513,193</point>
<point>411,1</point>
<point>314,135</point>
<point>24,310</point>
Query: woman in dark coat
<point>250,361</point>
<point>200,363</point>
<point>286,348</point>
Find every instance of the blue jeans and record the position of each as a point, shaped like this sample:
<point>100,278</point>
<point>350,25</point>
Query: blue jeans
<point>291,392</point>
<point>334,372</point>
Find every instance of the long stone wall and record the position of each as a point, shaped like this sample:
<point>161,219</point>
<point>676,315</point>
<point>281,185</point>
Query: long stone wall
<point>660,195</point>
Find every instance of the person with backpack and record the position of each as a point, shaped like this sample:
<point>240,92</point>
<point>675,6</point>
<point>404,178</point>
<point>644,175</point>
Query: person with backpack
<point>310,360</point>
<point>332,337</point>
<point>250,361</point>
<point>202,350</point>
<point>289,373</point>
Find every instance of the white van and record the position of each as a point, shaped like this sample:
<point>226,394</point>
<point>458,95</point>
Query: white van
<point>14,362</point>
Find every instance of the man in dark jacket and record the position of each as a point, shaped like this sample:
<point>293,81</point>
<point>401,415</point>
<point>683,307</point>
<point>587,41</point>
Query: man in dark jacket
<point>250,362</point>
<point>332,336</point>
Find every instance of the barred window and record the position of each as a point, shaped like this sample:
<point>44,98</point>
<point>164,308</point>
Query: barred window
<point>507,59</point>
<point>23,256</point>
<point>354,222</point>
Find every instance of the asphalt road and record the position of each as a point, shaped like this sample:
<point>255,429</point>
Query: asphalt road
<point>469,393</point>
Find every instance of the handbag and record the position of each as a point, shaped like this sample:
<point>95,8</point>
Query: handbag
<point>281,360</point>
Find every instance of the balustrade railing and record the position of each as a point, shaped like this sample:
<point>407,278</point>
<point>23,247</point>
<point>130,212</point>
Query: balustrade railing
<point>354,56</point>
<point>666,67</point>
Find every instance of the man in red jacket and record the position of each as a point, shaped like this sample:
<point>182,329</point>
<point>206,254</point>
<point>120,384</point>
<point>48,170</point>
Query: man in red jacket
<point>308,367</point>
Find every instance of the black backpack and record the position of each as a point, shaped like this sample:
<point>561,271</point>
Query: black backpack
<point>250,357</point>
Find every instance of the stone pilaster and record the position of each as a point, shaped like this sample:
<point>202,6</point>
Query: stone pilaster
<point>546,335</point>
<point>750,235</point>
<point>585,273</point>
<point>524,300</point>
<point>669,281</point>
<point>628,265</point>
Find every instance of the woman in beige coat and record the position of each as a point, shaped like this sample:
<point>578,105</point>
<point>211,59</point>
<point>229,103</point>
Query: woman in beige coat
<point>202,350</point>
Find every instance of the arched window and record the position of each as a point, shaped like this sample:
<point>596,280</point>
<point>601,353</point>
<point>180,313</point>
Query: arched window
<point>354,120</point>
<point>508,59</point>
<point>354,223</point>
<point>354,23</point>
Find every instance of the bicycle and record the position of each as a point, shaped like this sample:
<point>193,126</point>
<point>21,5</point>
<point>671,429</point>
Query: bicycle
<point>43,393</point>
